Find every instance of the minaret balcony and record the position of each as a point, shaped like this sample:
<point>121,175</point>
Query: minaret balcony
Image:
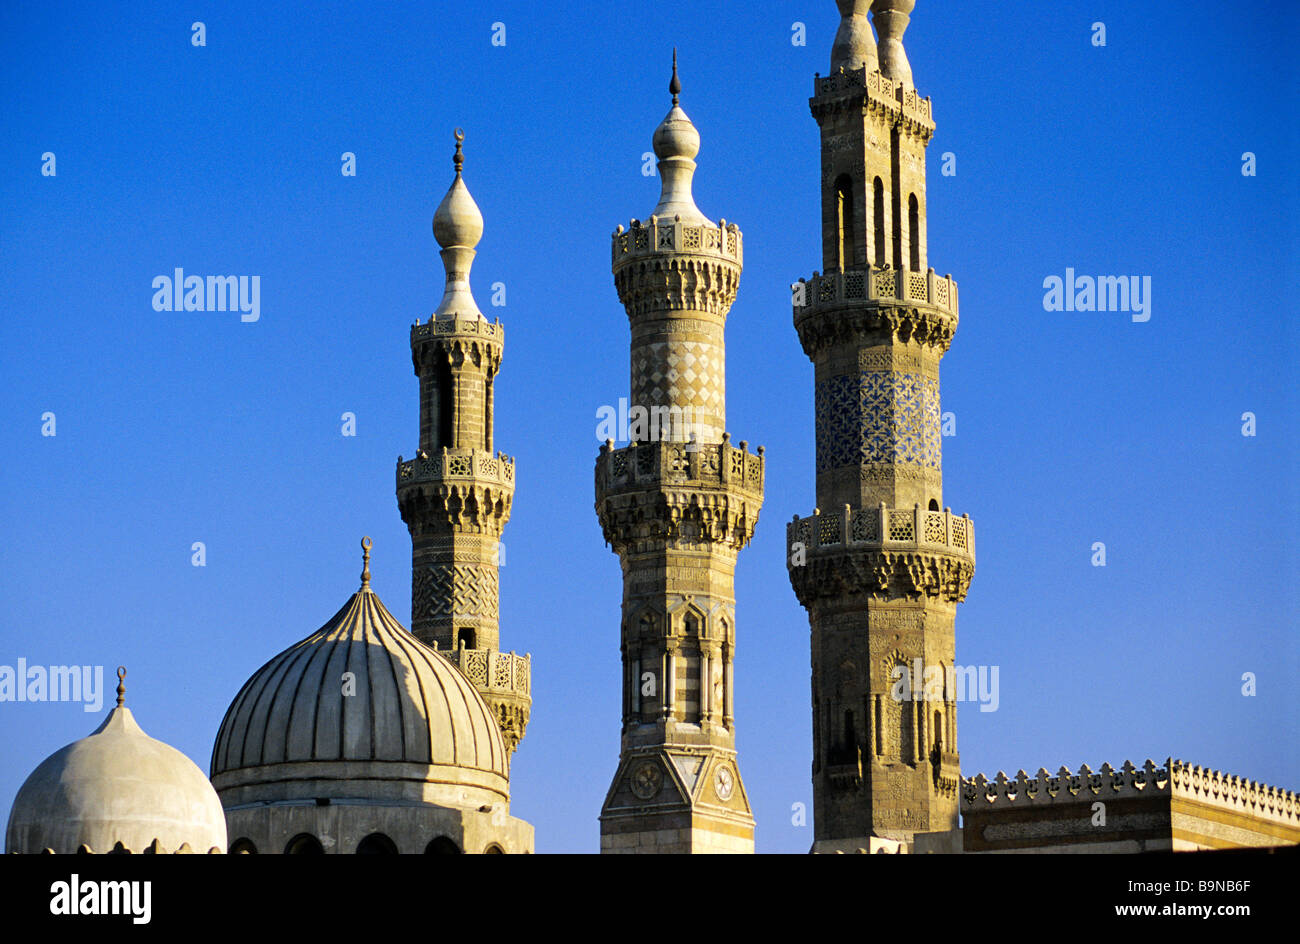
<point>653,492</point>
<point>646,465</point>
<point>443,326</point>
<point>912,305</point>
<point>722,240</point>
<point>883,528</point>
<point>874,89</point>
<point>456,465</point>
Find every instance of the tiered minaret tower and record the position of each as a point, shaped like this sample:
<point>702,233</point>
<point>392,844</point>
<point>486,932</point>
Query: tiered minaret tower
<point>879,566</point>
<point>677,505</point>
<point>455,495</point>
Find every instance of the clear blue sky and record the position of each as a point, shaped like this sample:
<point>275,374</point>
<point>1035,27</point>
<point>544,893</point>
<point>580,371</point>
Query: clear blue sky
<point>1071,427</point>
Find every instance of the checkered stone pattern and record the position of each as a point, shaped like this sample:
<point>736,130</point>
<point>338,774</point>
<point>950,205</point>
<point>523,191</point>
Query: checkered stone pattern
<point>878,416</point>
<point>687,374</point>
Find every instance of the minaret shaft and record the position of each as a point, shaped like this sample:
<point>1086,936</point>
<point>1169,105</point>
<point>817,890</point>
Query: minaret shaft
<point>879,566</point>
<point>677,505</point>
<point>455,495</point>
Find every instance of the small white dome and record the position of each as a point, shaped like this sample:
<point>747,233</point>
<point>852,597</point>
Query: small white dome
<point>117,785</point>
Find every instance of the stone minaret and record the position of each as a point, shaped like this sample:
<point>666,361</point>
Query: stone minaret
<point>455,495</point>
<point>677,505</point>
<point>881,564</point>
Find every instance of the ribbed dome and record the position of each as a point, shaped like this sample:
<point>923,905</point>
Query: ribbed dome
<point>117,785</point>
<point>364,692</point>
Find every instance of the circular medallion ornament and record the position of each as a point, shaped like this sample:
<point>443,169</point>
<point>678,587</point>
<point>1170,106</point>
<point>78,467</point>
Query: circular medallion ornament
<point>724,782</point>
<point>647,779</point>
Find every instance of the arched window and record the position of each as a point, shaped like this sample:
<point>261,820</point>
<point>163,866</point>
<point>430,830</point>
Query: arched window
<point>376,844</point>
<point>934,504</point>
<point>465,637</point>
<point>914,231</point>
<point>304,844</point>
<point>687,671</point>
<point>494,849</point>
<point>844,219</point>
<point>446,413</point>
<point>442,846</point>
<point>243,847</point>
<point>878,207</point>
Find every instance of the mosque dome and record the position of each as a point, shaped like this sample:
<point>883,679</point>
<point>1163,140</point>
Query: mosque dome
<point>360,708</point>
<point>118,786</point>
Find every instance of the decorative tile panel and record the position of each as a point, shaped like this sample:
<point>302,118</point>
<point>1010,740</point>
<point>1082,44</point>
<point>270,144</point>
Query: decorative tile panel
<point>878,416</point>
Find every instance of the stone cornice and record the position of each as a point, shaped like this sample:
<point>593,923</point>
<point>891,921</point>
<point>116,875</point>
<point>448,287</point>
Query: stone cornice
<point>865,302</point>
<point>880,575</point>
<point>873,92</point>
<point>464,489</point>
<point>664,493</point>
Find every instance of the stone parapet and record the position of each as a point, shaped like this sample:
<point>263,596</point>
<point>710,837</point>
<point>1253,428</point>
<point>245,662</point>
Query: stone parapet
<point>504,679</point>
<point>664,492</point>
<point>840,307</point>
<point>642,240</point>
<point>874,91</point>
<point>1174,779</point>
<point>886,529</point>
<point>454,465</point>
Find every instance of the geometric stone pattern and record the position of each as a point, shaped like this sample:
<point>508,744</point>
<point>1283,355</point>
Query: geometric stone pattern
<point>446,589</point>
<point>878,416</point>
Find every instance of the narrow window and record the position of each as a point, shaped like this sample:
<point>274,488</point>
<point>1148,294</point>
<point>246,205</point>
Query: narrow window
<point>442,846</point>
<point>844,216</point>
<point>914,231</point>
<point>446,415</point>
<point>465,638</point>
<point>878,204</point>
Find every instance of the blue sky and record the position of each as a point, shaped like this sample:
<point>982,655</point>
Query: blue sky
<point>1072,427</point>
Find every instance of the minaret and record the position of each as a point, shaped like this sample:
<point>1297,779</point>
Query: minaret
<point>879,566</point>
<point>677,505</point>
<point>455,495</point>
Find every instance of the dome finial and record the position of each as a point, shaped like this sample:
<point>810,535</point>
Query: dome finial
<point>676,142</point>
<point>121,685</point>
<point>458,226</point>
<point>366,545</point>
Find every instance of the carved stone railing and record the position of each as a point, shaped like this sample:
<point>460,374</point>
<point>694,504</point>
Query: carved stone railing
<point>504,679</point>
<point>886,529</point>
<point>490,670</point>
<point>457,464</point>
<point>678,463</point>
<point>1175,778</point>
<point>722,241</point>
<point>873,284</point>
<point>879,89</point>
<point>447,326</point>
